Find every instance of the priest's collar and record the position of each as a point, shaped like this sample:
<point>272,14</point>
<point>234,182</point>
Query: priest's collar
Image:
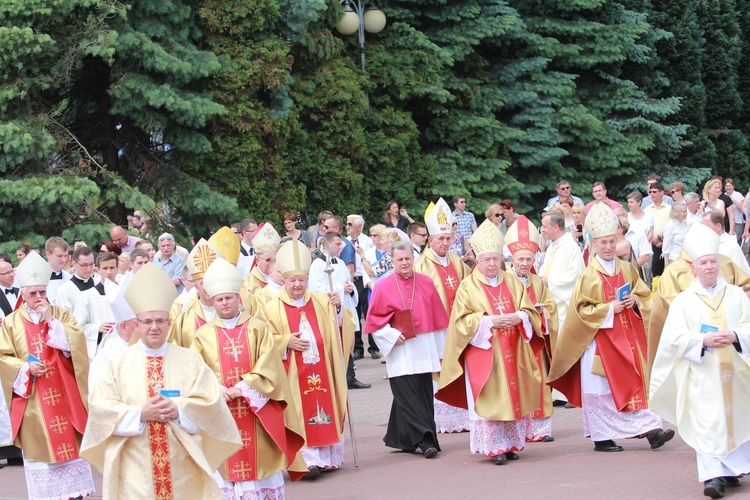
<point>404,278</point>
<point>82,280</point>
<point>524,279</point>
<point>284,296</point>
<point>35,316</point>
<point>610,266</point>
<point>148,351</point>
<point>442,260</point>
<point>231,322</point>
<point>709,291</point>
<point>274,287</point>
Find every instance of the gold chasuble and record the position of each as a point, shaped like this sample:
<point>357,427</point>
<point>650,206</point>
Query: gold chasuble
<point>183,329</point>
<point>49,424</point>
<point>621,350</point>
<point>164,461</point>
<point>676,278</point>
<point>506,381</point>
<point>318,381</point>
<point>446,278</point>
<point>272,436</point>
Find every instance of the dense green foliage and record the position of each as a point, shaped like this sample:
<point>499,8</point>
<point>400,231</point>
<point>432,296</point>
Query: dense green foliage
<point>200,112</point>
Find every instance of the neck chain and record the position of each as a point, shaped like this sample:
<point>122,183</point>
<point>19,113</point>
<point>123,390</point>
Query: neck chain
<point>714,309</point>
<point>413,287</point>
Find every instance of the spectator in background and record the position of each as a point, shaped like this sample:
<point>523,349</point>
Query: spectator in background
<point>317,231</point>
<point>509,216</point>
<point>693,203</point>
<point>677,190</point>
<point>653,179</point>
<point>467,223</point>
<point>737,202</point>
<point>290,224</point>
<point>578,213</point>
<point>639,220</point>
<point>674,233</point>
<point>711,200</point>
<point>109,246</point>
<point>148,247</point>
<point>395,216</point>
<point>564,192</point>
<point>494,213</point>
<point>22,251</point>
<point>599,192</point>
<point>169,261</point>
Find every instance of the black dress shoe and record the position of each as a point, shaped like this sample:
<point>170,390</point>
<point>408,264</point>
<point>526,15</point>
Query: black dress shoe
<point>714,488</point>
<point>358,355</point>
<point>658,437</point>
<point>375,355</point>
<point>558,402</point>
<point>356,384</point>
<point>547,439</point>
<point>430,452</point>
<point>512,455</point>
<point>499,459</point>
<point>15,461</point>
<point>732,482</point>
<point>607,446</point>
<point>313,474</point>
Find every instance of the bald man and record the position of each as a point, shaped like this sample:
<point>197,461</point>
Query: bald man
<point>122,239</point>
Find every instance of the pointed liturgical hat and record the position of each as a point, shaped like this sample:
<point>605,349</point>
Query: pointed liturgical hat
<point>487,238</point>
<point>222,277</point>
<point>293,259</point>
<point>438,218</point>
<point>266,239</point>
<point>601,221</point>
<point>700,240</point>
<point>33,271</point>
<point>225,241</point>
<point>522,235</point>
<point>115,295</point>
<point>150,290</point>
<point>201,256</point>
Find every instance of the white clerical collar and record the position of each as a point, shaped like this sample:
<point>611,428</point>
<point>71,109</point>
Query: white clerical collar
<point>85,280</point>
<point>608,265</point>
<point>524,279</point>
<point>148,351</point>
<point>442,260</point>
<point>711,291</point>
<point>274,287</point>
<point>246,246</point>
<point>231,322</point>
<point>298,302</point>
<point>492,281</point>
<point>34,315</point>
<point>266,277</point>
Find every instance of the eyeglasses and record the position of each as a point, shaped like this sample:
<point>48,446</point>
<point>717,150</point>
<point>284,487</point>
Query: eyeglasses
<point>349,224</point>
<point>498,215</point>
<point>85,266</point>
<point>674,191</point>
<point>654,191</point>
<point>422,235</point>
<point>40,293</point>
<point>565,188</point>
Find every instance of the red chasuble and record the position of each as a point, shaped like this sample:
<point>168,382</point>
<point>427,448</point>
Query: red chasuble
<point>619,348</point>
<point>450,280</point>
<point>314,384</point>
<point>235,360</point>
<point>161,463</point>
<point>57,392</point>
<point>480,360</point>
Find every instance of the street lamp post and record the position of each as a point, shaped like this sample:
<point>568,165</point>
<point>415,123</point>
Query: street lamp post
<point>358,18</point>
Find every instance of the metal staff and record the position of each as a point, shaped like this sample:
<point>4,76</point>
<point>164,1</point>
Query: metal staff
<point>329,271</point>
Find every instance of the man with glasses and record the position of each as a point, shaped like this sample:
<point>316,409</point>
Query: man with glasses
<point>564,192</point>
<point>659,210</point>
<point>169,261</point>
<point>467,223</point>
<point>354,225</point>
<point>247,253</point>
<point>316,231</point>
<point>44,372</point>
<point>82,279</point>
<point>677,190</point>
<point>92,310</point>
<point>654,179</point>
<point>162,426</point>
<point>418,237</point>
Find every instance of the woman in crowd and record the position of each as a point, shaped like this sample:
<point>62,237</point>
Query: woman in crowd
<point>395,216</point>
<point>290,224</point>
<point>578,213</point>
<point>509,215</point>
<point>711,193</point>
<point>623,250</point>
<point>22,252</point>
<point>109,246</point>
<point>495,214</point>
<point>674,233</point>
<point>375,260</point>
<point>640,221</point>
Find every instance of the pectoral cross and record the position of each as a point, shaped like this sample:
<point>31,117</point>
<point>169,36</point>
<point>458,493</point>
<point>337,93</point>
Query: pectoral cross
<point>451,282</point>
<point>234,350</point>
<point>501,304</point>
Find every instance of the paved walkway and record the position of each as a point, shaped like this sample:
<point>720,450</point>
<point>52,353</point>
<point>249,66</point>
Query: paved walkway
<point>565,468</point>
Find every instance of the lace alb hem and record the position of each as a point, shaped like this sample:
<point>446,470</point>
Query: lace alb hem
<point>58,339</point>
<point>450,418</point>
<point>21,384</point>
<point>538,428</point>
<point>326,457</point>
<point>493,437</point>
<point>602,421</point>
<point>269,488</point>
<point>482,336</point>
<point>58,481</point>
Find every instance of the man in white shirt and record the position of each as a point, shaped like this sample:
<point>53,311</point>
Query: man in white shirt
<point>92,310</point>
<point>737,200</point>
<point>354,226</point>
<point>659,210</point>
<point>247,253</point>
<point>56,251</point>
<point>693,202</point>
<point>82,279</point>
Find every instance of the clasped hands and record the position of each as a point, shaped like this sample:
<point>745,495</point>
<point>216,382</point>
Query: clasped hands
<point>296,343</point>
<point>230,393</point>
<point>505,320</point>
<point>722,338</point>
<point>159,409</point>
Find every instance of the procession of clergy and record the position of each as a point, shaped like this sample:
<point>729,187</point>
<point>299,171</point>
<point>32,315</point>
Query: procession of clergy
<point>215,394</point>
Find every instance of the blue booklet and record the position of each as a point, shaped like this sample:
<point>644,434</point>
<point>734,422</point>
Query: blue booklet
<point>623,292</point>
<point>170,393</point>
<point>33,359</point>
<point>709,328</point>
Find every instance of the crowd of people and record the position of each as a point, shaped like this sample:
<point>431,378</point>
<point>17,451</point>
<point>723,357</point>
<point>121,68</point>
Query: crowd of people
<point>212,371</point>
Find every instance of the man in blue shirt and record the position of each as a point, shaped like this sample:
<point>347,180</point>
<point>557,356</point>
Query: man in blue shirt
<point>170,262</point>
<point>564,192</point>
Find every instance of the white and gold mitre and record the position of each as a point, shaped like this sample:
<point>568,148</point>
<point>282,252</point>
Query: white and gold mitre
<point>225,241</point>
<point>201,256</point>
<point>33,271</point>
<point>222,277</point>
<point>601,221</point>
<point>438,218</point>
<point>266,239</point>
<point>700,241</point>
<point>150,290</point>
<point>523,235</point>
<point>487,238</point>
<point>293,259</point>
<point>115,295</point>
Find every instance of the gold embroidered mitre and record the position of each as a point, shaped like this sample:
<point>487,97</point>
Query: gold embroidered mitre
<point>438,218</point>
<point>523,235</point>
<point>487,238</point>
<point>266,239</point>
<point>601,221</point>
<point>226,242</point>
<point>201,256</point>
<point>293,259</point>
